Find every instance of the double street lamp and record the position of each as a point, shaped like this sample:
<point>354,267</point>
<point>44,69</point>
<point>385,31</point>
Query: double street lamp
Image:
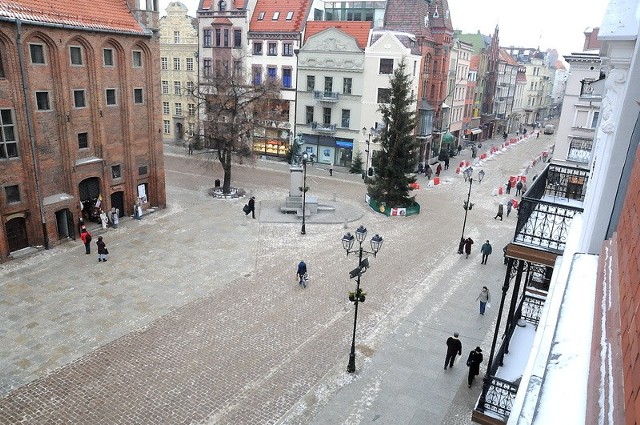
<point>305,157</point>
<point>372,132</point>
<point>358,296</point>
<point>467,205</point>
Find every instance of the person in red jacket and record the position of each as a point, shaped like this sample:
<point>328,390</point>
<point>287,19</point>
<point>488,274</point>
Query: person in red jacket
<point>85,236</point>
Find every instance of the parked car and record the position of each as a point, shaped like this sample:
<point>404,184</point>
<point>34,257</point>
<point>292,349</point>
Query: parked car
<point>549,129</point>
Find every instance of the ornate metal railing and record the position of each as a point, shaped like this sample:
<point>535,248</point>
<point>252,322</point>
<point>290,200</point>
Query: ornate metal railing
<point>499,398</point>
<point>530,309</point>
<point>325,128</point>
<point>326,96</point>
<point>547,209</point>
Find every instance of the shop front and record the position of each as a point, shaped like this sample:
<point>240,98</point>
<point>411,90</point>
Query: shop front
<point>329,150</point>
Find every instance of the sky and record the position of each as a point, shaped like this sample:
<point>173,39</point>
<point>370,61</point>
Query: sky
<point>547,24</point>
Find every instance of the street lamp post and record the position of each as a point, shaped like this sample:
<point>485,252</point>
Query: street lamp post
<point>304,191</point>
<point>364,132</point>
<point>467,206</point>
<point>363,265</point>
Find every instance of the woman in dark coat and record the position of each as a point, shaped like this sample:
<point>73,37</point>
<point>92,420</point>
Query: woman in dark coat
<point>467,246</point>
<point>102,250</point>
<point>473,361</point>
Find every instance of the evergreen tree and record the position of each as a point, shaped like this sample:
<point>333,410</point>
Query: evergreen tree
<point>356,164</point>
<point>396,162</point>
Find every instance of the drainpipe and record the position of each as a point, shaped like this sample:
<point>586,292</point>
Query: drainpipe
<point>27,111</point>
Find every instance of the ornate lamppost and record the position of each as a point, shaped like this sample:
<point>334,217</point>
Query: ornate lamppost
<point>363,265</point>
<point>467,206</point>
<point>372,132</point>
<point>305,156</point>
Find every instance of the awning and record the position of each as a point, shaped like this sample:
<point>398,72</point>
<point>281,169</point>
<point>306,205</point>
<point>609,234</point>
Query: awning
<point>476,131</point>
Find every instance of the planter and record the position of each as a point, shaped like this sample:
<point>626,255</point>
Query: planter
<point>382,208</point>
<point>361,298</point>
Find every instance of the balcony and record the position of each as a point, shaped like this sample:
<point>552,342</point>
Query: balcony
<point>326,96</point>
<point>323,128</point>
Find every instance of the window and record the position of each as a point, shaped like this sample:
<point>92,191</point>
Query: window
<point>165,87</point>
<point>42,101</point>
<point>594,119</point>
<point>110,95</point>
<point>272,49</point>
<point>8,142</point>
<point>309,114</point>
<point>189,64</point>
<point>143,170</point>
<point>176,37</point>
<point>78,99</point>
<point>206,67</point>
<point>272,72</point>
<point>83,140</point>
<point>107,57</point>
<point>138,97</point>
<point>582,117</point>
<point>326,116</point>
<point>580,150</point>
<point>386,66</point>
<point>237,38</point>
<point>286,78</point>
<point>346,85</point>
<point>328,84</point>
<point>192,109</point>
<point>165,108</point>
<point>289,16</point>
<point>116,171</point>
<point>137,59</point>
<point>164,64</point>
<point>178,109</point>
<point>75,53</point>
<point>287,49</point>
<point>218,38</point>
<point>177,89</point>
<point>190,87</point>
<point>225,37</point>
<point>12,194</point>
<point>257,75</point>
<point>257,47</point>
<point>261,16</point>
<point>192,128</point>
<point>166,124</point>
<point>37,53</point>
<point>346,116</point>
<point>276,16</point>
<point>311,82</point>
<point>1,67</point>
<point>176,64</point>
<point>384,95</point>
<point>206,38</point>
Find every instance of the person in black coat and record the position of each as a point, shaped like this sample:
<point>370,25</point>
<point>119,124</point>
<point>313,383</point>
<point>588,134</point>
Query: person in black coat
<point>473,361</point>
<point>252,207</point>
<point>454,348</point>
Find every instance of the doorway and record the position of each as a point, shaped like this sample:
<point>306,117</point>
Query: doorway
<point>117,201</point>
<point>16,230</point>
<point>89,198</point>
<point>179,131</point>
<point>64,221</point>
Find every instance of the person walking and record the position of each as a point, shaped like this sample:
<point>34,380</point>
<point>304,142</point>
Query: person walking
<point>509,206</point>
<point>301,273</point>
<point>85,237</point>
<point>486,251</point>
<point>251,207</point>
<point>485,298</point>
<point>500,212</point>
<point>102,250</point>
<point>446,163</point>
<point>454,348</point>
<point>438,169</point>
<point>190,148</point>
<point>473,361</point>
<point>467,246</point>
<point>428,172</point>
<point>508,185</point>
<point>518,188</point>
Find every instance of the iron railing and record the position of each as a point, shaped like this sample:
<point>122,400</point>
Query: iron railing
<point>530,309</point>
<point>548,207</point>
<point>499,398</point>
<point>326,96</point>
<point>322,127</point>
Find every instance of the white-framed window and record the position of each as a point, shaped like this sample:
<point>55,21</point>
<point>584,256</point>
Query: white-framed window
<point>190,87</point>
<point>165,87</point>
<point>167,126</point>
<point>75,55</point>
<point>176,37</point>
<point>176,64</point>
<point>8,135</point>
<point>79,100</point>
<point>192,128</point>
<point>164,64</point>
<point>177,88</point>
<point>189,64</point>
<point>386,66</point>
<point>42,101</point>
<point>276,16</point>
<point>192,109</point>
<point>178,109</point>
<point>137,59</point>
<point>165,108</point>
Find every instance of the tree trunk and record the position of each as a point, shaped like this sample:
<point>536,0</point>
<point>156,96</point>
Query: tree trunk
<point>226,166</point>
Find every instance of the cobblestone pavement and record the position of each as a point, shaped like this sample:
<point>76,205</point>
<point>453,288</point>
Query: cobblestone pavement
<point>197,318</point>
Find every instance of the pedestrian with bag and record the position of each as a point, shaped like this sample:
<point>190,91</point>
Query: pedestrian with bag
<point>454,348</point>
<point>467,246</point>
<point>250,207</point>
<point>500,212</point>
<point>486,251</point>
<point>509,206</point>
<point>473,362</point>
<point>85,237</point>
<point>485,299</point>
<point>102,250</point>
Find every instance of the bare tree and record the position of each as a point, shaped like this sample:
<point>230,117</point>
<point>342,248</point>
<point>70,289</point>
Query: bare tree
<point>233,110</point>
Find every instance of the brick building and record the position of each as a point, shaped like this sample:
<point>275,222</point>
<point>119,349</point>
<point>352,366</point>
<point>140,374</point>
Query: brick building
<point>80,116</point>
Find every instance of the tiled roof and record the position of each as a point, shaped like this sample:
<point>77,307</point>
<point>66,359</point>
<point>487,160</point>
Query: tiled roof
<point>237,4</point>
<point>560,65</point>
<point>474,62</point>
<point>103,15</point>
<point>506,57</point>
<point>408,15</point>
<point>356,29</point>
<point>298,10</point>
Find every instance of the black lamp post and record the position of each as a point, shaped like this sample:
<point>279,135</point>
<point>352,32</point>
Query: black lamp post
<point>304,191</point>
<point>467,206</point>
<point>371,133</point>
<point>363,265</point>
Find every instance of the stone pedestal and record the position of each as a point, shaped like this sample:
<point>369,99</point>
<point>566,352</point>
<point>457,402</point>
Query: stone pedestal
<point>296,181</point>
